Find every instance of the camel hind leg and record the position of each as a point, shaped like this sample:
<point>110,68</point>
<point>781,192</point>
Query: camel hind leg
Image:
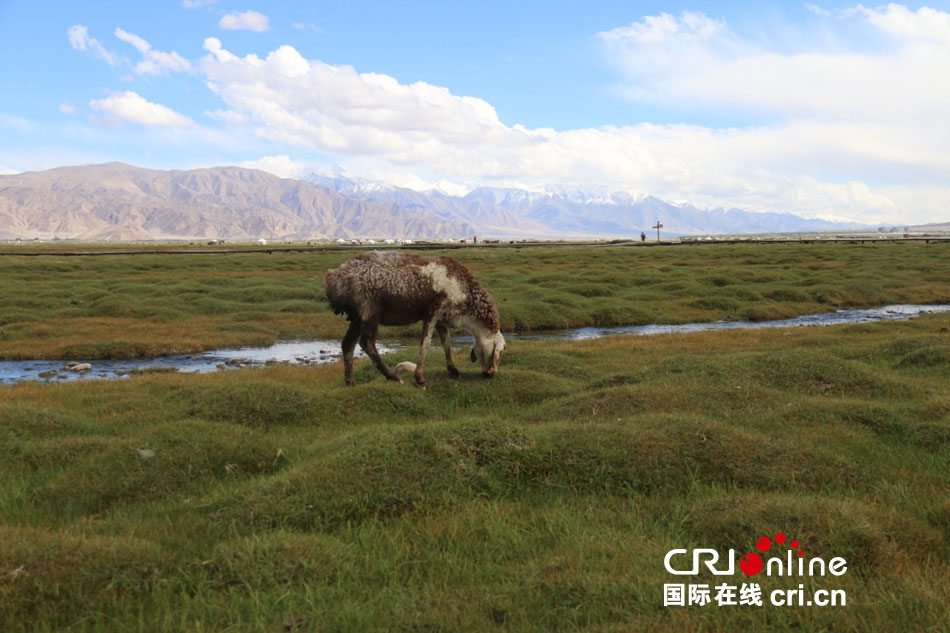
<point>368,345</point>
<point>349,345</point>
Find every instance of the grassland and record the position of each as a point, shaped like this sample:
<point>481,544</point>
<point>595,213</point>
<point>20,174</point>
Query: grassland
<point>544,499</point>
<point>129,306</point>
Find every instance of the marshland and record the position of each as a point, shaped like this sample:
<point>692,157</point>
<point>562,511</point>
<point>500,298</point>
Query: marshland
<point>543,499</point>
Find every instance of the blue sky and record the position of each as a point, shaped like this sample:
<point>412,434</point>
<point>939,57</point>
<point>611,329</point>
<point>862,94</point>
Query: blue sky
<point>831,110</point>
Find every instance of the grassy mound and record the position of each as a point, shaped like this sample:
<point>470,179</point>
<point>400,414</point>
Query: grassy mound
<point>543,499</point>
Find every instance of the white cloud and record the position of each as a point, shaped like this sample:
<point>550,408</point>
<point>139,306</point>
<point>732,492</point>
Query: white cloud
<point>663,28</point>
<point>154,62</point>
<point>246,21</point>
<point>79,39</point>
<point>280,165</point>
<point>335,108</point>
<point>818,10</point>
<point>67,108</point>
<point>6,171</point>
<point>129,106</point>
<point>692,61</point>
<point>197,4</point>
<point>847,130</point>
<point>420,133</point>
<point>929,203</point>
<point>898,20</point>
<point>227,116</point>
<point>140,44</point>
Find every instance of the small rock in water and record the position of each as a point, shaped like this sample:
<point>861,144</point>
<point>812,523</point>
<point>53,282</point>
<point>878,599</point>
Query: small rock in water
<point>47,374</point>
<point>62,377</point>
<point>146,453</point>
<point>81,367</point>
<point>120,372</point>
<point>235,361</point>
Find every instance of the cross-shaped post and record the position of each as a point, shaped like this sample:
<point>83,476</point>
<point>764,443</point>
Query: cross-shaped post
<point>657,227</point>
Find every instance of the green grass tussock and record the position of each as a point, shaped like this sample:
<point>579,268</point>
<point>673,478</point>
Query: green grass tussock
<point>69,570</point>
<point>257,403</point>
<point>871,539</point>
<point>185,457</point>
<point>112,349</point>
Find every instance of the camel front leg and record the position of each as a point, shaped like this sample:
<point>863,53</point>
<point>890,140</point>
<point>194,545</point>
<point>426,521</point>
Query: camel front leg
<point>446,339</point>
<point>427,327</point>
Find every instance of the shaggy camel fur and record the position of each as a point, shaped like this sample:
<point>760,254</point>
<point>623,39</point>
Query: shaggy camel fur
<point>392,288</point>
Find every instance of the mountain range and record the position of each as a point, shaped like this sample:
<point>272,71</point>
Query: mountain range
<point>116,201</point>
<point>576,212</point>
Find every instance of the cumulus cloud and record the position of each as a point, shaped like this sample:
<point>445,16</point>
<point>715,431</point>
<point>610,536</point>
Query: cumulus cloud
<point>79,39</point>
<point>280,165</point>
<point>898,20</point>
<point>420,133</point>
<point>865,103</point>
<point>154,62</point>
<point>67,108</point>
<point>246,21</point>
<point>310,103</point>
<point>695,61</point>
<point>129,106</point>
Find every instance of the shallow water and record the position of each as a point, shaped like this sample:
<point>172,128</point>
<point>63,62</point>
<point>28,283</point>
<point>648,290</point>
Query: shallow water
<point>294,352</point>
<point>840,317</point>
<point>316,352</point>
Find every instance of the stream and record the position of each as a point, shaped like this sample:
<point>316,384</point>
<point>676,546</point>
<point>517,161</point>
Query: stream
<point>328,351</point>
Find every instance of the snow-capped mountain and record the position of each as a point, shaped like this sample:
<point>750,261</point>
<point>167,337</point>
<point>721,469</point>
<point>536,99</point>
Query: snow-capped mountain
<point>118,201</point>
<point>575,211</point>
